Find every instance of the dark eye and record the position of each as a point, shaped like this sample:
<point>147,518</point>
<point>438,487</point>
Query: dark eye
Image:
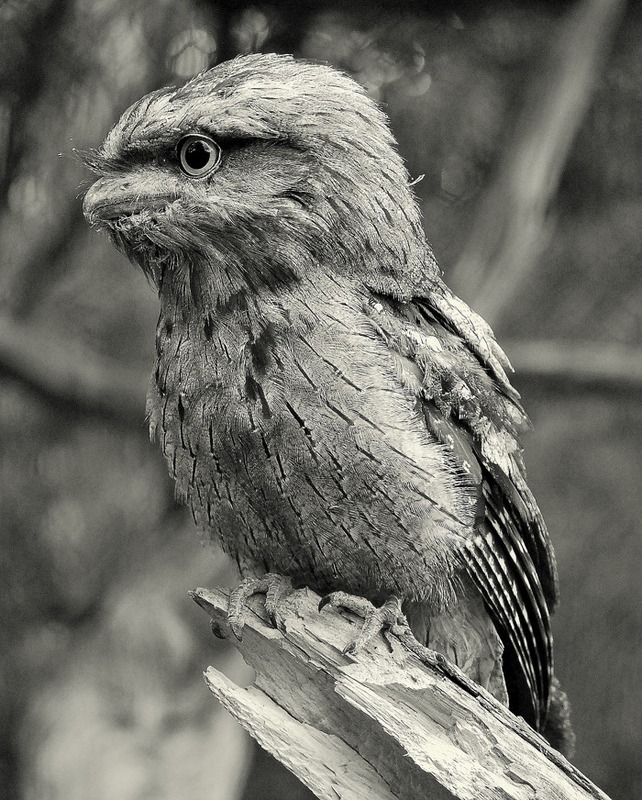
<point>198,155</point>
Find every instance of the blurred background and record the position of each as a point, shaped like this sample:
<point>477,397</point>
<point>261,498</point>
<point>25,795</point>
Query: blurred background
<point>524,121</point>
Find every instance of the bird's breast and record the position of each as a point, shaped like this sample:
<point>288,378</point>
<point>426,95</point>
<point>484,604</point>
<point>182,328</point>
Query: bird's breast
<point>298,448</point>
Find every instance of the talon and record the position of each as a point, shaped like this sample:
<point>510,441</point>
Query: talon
<point>350,649</point>
<point>236,628</point>
<point>376,620</point>
<point>358,605</point>
<point>275,587</point>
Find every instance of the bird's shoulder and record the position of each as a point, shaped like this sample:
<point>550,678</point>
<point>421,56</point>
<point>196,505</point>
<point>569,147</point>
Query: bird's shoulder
<point>448,357</point>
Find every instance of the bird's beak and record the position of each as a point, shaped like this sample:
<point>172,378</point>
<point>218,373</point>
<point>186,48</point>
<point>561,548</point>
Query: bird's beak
<point>112,198</point>
<point>106,200</point>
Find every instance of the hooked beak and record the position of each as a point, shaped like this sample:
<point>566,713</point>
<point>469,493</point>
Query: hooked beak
<point>110,199</point>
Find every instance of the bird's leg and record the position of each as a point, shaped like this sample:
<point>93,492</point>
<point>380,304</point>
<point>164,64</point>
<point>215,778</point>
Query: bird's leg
<point>274,586</point>
<point>387,617</point>
<point>390,618</point>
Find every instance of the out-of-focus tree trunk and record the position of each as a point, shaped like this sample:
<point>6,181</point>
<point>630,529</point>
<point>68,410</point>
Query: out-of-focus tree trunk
<point>512,225</point>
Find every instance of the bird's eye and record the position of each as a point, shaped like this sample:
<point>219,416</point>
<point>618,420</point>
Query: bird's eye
<point>198,155</point>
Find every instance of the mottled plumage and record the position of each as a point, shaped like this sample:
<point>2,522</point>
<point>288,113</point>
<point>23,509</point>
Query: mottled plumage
<point>328,408</point>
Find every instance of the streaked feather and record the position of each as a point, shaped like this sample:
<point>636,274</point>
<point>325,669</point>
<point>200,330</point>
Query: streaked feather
<point>470,406</point>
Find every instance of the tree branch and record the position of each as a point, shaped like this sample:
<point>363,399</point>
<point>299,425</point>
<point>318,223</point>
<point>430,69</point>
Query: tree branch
<point>380,724</point>
<point>68,375</point>
<point>28,281</point>
<point>511,227</point>
<point>608,369</point>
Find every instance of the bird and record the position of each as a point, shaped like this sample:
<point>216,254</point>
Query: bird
<point>332,413</point>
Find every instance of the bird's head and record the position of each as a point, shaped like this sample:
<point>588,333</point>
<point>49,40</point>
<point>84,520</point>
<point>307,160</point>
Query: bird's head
<point>251,176</point>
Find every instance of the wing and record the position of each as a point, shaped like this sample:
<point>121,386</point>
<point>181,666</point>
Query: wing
<point>470,406</point>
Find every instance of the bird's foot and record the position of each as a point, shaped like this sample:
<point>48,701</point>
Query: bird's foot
<point>388,617</point>
<point>274,587</point>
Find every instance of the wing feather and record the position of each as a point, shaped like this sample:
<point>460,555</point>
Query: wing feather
<point>470,406</point>
<point>481,561</point>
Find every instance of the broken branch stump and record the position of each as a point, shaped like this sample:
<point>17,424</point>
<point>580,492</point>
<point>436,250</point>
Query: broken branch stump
<point>379,724</point>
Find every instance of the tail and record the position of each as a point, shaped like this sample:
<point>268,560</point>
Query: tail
<point>558,730</point>
<point>465,634</point>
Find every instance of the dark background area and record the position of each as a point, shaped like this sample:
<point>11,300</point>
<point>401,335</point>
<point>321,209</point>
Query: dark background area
<point>523,119</point>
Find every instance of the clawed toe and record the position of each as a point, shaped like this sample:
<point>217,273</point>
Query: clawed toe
<point>358,605</point>
<point>376,620</point>
<point>275,587</point>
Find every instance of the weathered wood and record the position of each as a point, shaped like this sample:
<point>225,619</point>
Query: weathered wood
<point>379,724</point>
